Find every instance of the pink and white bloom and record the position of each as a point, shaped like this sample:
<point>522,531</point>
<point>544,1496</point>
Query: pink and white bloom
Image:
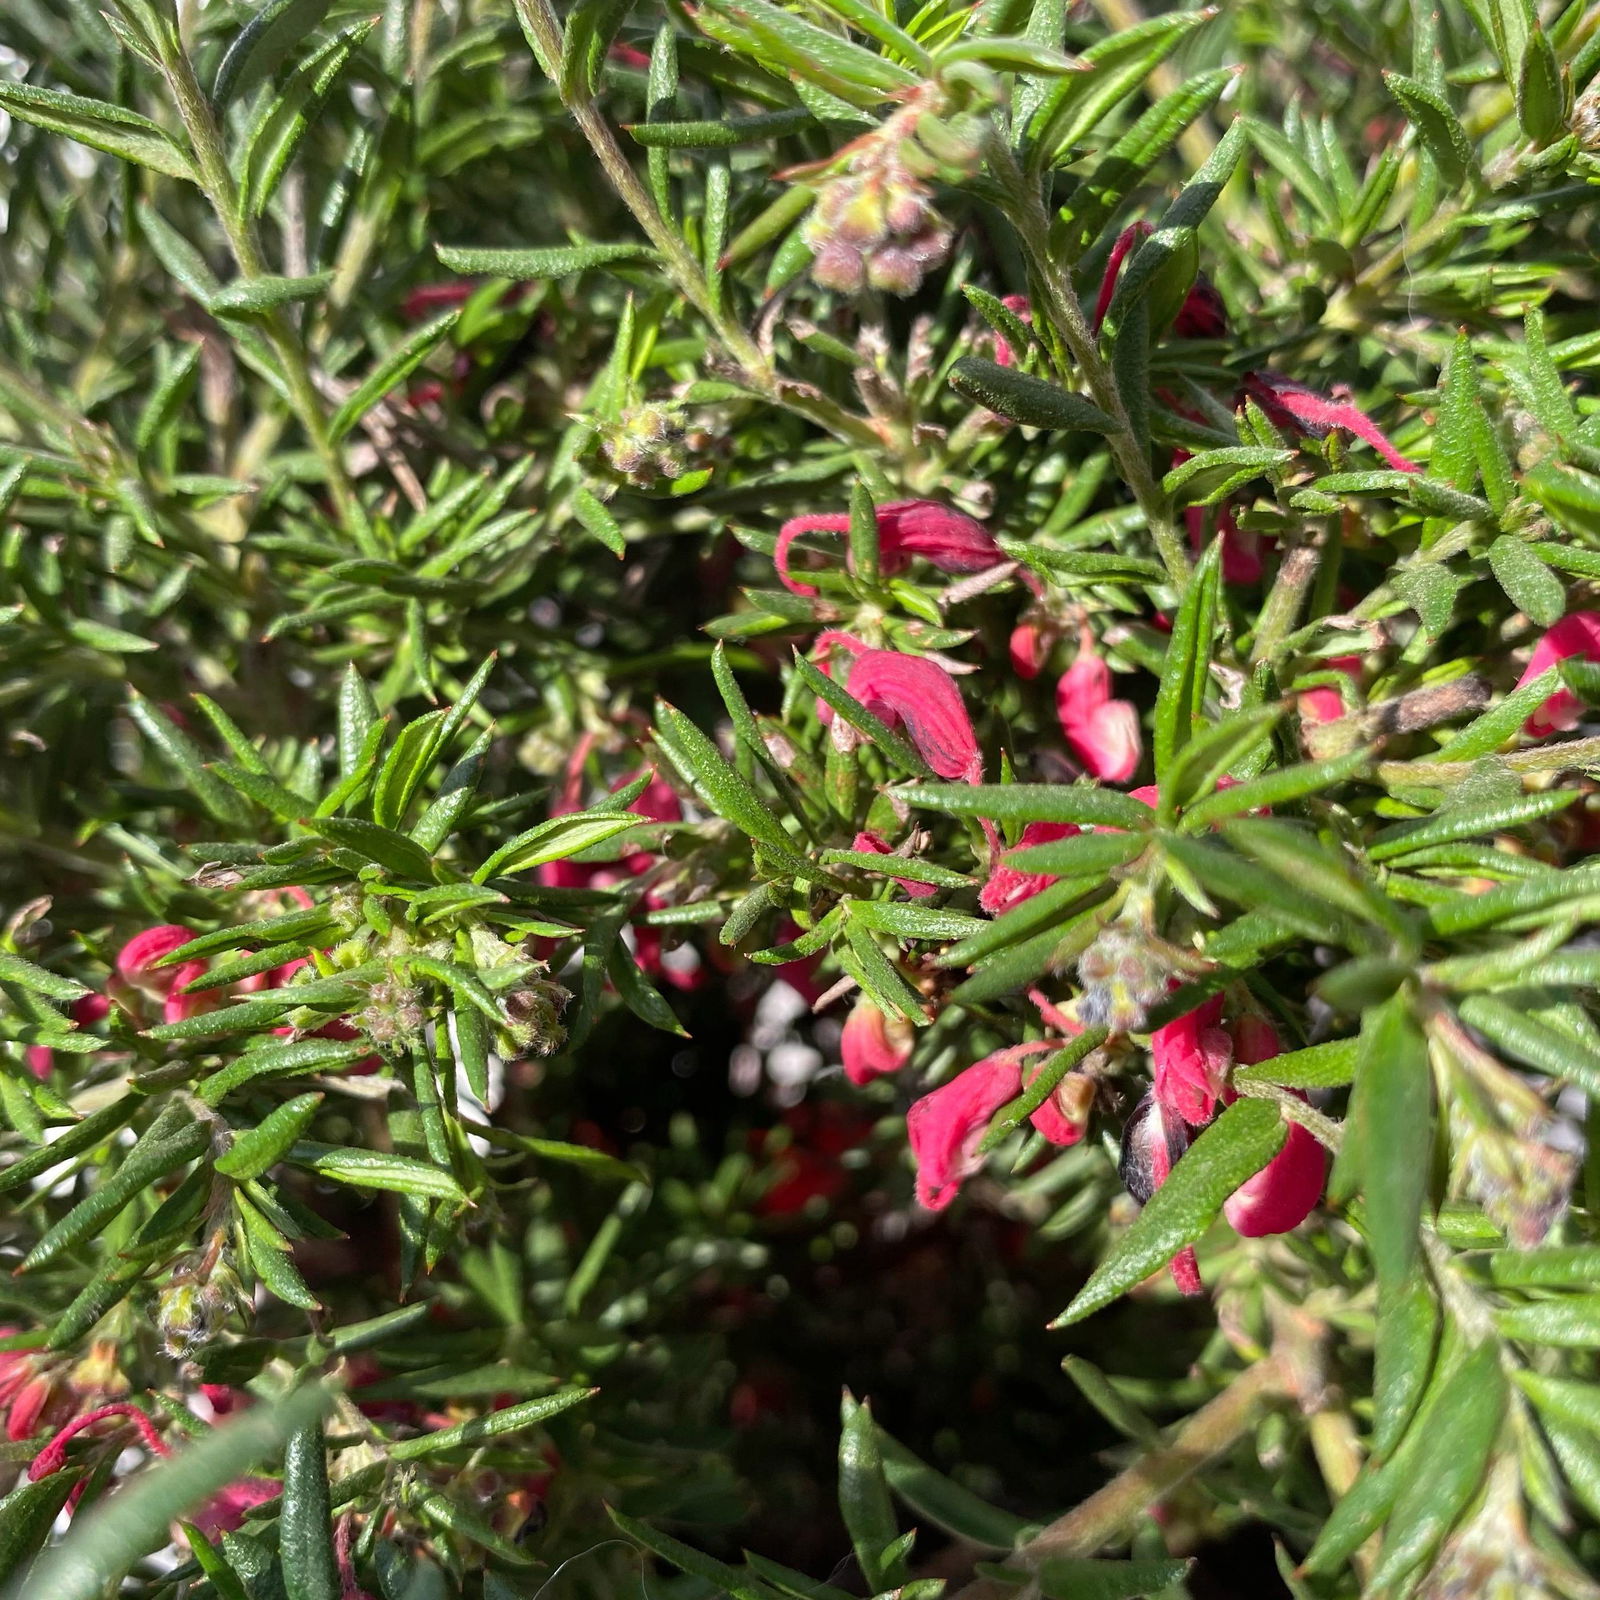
<point>947,539</point>
<point>873,1045</point>
<point>1102,732</point>
<point>1577,635</point>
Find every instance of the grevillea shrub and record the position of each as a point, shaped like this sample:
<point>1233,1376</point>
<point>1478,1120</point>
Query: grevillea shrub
<point>711,704</point>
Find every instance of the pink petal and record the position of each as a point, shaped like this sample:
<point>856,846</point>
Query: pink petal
<point>1028,648</point>
<point>872,1045</point>
<point>869,843</point>
<point>1064,1117</point>
<point>143,950</point>
<point>1287,402</point>
<point>1010,886</point>
<point>1202,315</point>
<point>1191,1055</point>
<point>1575,635</point>
<point>944,1127</point>
<point>922,695</point>
<point>225,1511</point>
<point>1101,732</point>
<point>1126,240</point>
<point>1285,1192</point>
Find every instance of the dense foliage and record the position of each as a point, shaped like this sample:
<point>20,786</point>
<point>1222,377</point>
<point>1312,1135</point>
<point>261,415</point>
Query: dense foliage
<point>705,704</point>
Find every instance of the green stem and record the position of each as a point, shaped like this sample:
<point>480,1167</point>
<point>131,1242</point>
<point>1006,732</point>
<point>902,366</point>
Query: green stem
<point>205,139</point>
<point>1027,215</point>
<point>1296,574</point>
<point>543,29</point>
<point>1110,1513</point>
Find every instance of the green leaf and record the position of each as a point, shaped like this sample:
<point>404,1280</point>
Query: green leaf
<point>1437,125</point>
<point>1274,790</point>
<point>721,135</point>
<point>1082,855</point>
<point>831,62</point>
<point>559,261</point>
<point>721,786</point>
<point>36,979</point>
<point>257,1149</point>
<point>305,1525</point>
<point>100,125</point>
<point>591,26</point>
<point>1318,1066</point>
<point>1045,1079</point>
<point>1086,804</point>
<point>864,1497</point>
<point>1533,1041</point>
<point>1078,1578</point>
<point>1407,1332</point>
<point>1392,1109</point>
<point>722,1579</point>
<point>1529,584</point>
<point>277,27</point>
<point>1462,1430</point>
<point>391,372</point>
<point>1024,399</point>
<point>254,297</point>
<point>395,851</point>
<point>492,1425</point>
<point>1541,94</point>
<point>1175,231</point>
<point>1299,858</point>
<point>554,840</point>
<point>106,1541</point>
<point>1235,1147</point>
<point>26,1516</point>
<point>1466,822</point>
<point>946,1504</point>
<point>374,1169</point>
<point>1186,667</point>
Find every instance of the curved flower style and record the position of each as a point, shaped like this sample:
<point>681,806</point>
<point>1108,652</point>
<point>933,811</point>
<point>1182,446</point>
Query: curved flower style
<point>947,539</point>
<point>1102,732</point>
<point>922,695</point>
<point>872,1044</point>
<point>1575,635</point>
<point>1010,886</point>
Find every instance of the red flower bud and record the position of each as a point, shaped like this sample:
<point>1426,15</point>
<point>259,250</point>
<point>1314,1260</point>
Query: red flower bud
<point>1285,1192</point>
<point>137,958</point>
<point>872,1044</point>
<point>1102,733</point>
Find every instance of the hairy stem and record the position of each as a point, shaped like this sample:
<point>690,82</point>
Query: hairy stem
<point>1027,214</point>
<point>543,29</point>
<point>205,139</point>
<point>1109,1513</point>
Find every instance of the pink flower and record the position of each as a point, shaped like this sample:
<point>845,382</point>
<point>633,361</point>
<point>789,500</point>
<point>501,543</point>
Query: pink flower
<point>1575,635</point>
<point>1325,703</point>
<point>1191,1055</point>
<point>945,1127</point>
<point>947,539</point>
<point>86,1010</point>
<point>225,1511</point>
<point>1202,315</point>
<point>869,843</point>
<point>1028,648</point>
<point>1290,404</point>
<point>1010,886</point>
<point>1284,1192</point>
<point>136,960</point>
<point>873,1044</point>
<point>1102,733</point>
<point>922,695</point>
